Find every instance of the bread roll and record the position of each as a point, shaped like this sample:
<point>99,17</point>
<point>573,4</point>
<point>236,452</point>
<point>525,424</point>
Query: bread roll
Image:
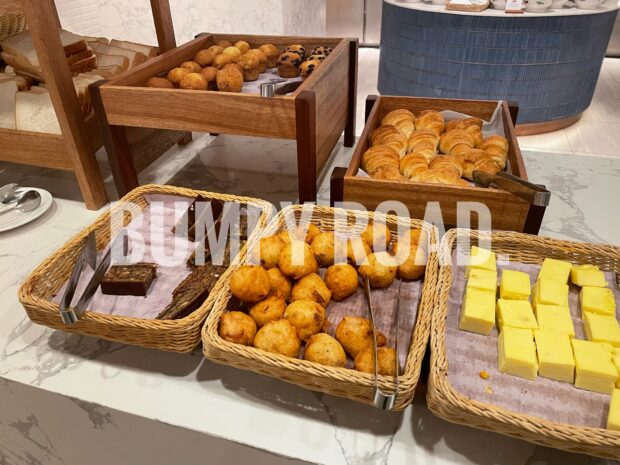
<point>224,43</point>
<point>229,80</point>
<point>390,136</point>
<point>209,74</point>
<point>430,119</point>
<point>194,81</point>
<point>243,46</point>
<point>262,58</point>
<point>159,82</point>
<point>191,66</point>
<point>176,74</point>
<point>220,60</point>
<point>204,57</point>
<point>233,51</point>
<point>216,49</point>
<point>250,66</point>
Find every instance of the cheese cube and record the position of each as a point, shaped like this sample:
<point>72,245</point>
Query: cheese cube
<point>597,300</point>
<point>613,417</point>
<point>558,270</point>
<point>515,285</point>
<point>594,368</point>
<point>483,280</point>
<point>515,313</point>
<point>550,292</point>
<point>601,328</point>
<point>478,312</point>
<point>555,318</point>
<point>555,355</point>
<point>481,259</point>
<point>517,353</point>
<point>587,275</point>
<point>616,360</point>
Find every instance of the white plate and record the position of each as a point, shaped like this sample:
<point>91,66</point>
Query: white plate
<point>15,219</point>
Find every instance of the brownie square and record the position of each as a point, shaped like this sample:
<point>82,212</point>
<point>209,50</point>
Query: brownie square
<point>129,279</point>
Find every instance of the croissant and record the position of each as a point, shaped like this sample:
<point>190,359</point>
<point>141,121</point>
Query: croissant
<point>476,134</point>
<point>423,138</point>
<point>378,157</point>
<point>401,119</point>
<point>447,161</point>
<point>463,123</point>
<point>430,119</point>
<point>444,175</point>
<point>390,136</point>
<point>497,147</point>
<point>389,172</point>
<point>478,160</point>
<point>412,165</point>
<point>455,142</point>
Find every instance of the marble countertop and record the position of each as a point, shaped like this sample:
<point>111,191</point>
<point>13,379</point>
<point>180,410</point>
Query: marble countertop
<point>242,408</point>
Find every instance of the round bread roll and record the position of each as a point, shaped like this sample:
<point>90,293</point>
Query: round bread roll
<point>209,73</point>
<point>195,81</point>
<point>307,67</point>
<point>278,337</point>
<point>297,260</point>
<point>221,60</point>
<point>306,316</point>
<point>269,309</point>
<point>232,51</point>
<point>234,66</point>
<point>323,247</point>
<point>312,287</point>
<point>377,236</point>
<point>216,49</point>
<point>386,360</point>
<point>268,251</point>
<point>288,64</point>
<point>280,284</point>
<point>229,80</point>
<point>250,65</point>
<point>342,280</point>
<point>307,233</point>
<point>355,334</point>
<point>176,74</point>
<point>380,268</point>
<point>204,57</point>
<point>416,237</point>
<point>413,262</point>
<point>262,58</point>
<point>250,283</point>
<point>242,45</point>
<point>159,82</point>
<point>237,327</point>
<point>324,349</point>
<point>224,43</point>
<point>357,250</point>
<point>191,66</point>
<point>298,49</point>
<point>272,53</point>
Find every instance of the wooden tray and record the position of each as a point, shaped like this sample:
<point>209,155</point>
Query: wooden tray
<point>315,114</point>
<point>508,211</point>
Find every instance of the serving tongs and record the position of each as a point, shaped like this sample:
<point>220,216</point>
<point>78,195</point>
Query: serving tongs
<point>382,399</point>
<point>532,193</point>
<point>88,256</point>
<point>278,87</point>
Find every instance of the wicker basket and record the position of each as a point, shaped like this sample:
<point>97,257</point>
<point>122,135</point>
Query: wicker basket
<point>453,406</point>
<point>181,335</point>
<point>11,24</point>
<point>341,382</point>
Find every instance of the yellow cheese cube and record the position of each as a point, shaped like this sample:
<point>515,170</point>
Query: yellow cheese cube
<point>515,285</point>
<point>550,292</point>
<point>558,270</point>
<point>597,300</point>
<point>601,328</point>
<point>483,280</point>
<point>555,318</point>
<point>517,353</point>
<point>555,355</point>
<point>587,275</point>
<point>515,313</point>
<point>482,259</point>
<point>478,312</point>
<point>594,368</point>
<point>613,418</point>
<point>616,360</point>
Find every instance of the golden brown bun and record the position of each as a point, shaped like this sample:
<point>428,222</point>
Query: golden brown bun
<point>288,64</point>
<point>298,49</point>
<point>455,142</point>
<point>272,53</point>
<point>229,80</point>
<point>297,260</point>
<point>391,137</point>
<point>386,361</point>
<point>194,81</point>
<point>401,119</point>
<point>412,260</point>
<point>191,66</point>
<point>242,45</point>
<point>306,316</point>
<point>324,349</point>
<point>262,58</point>
<point>232,51</point>
<point>312,287</point>
<point>430,119</point>
<point>413,165</point>
<point>176,74</point>
<point>342,280</point>
<point>204,57</point>
<point>216,49</point>
<point>278,337</point>
<point>221,60</point>
<point>280,284</point>
<point>380,269</point>
<point>323,247</point>
<point>234,66</point>
<point>267,251</point>
<point>250,283</point>
<point>307,67</point>
<point>237,327</point>
<point>377,234</point>
<point>497,147</point>
<point>355,334</point>
<point>268,309</point>
<point>209,74</point>
<point>378,157</point>
<point>160,82</point>
<point>424,141</point>
<point>224,43</point>
<point>250,65</point>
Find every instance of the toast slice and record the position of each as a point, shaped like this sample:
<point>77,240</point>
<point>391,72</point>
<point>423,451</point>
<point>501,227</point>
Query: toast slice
<point>79,56</point>
<point>149,51</point>
<point>8,89</point>
<point>34,111</point>
<point>107,72</point>
<point>21,47</point>
<point>135,58</point>
<point>104,60</point>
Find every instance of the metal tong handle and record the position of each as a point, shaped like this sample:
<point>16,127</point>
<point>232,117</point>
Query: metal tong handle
<point>278,87</point>
<point>382,399</point>
<point>88,256</point>
<point>532,193</point>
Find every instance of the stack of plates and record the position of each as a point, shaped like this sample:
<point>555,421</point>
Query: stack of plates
<point>15,218</point>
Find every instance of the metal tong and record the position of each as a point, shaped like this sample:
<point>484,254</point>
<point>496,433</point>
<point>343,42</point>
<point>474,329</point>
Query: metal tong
<point>532,193</point>
<point>383,399</point>
<point>278,87</point>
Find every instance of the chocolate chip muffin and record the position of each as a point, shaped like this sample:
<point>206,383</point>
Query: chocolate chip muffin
<point>307,67</point>
<point>288,64</point>
<point>298,49</point>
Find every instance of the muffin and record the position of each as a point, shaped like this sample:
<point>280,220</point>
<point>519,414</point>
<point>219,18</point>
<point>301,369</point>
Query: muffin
<point>216,49</point>
<point>224,43</point>
<point>159,82</point>
<point>288,64</point>
<point>204,57</point>
<point>272,53</point>
<point>242,45</point>
<point>220,60</point>
<point>176,74</point>
<point>233,51</point>
<point>250,65</point>
<point>194,81</point>
<point>191,66</point>
<point>236,66</point>
<point>209,74</point>
<point>298,49</point>
<point>229,80</point>
<point>317,57</point>
<point>262,58</point>
<point>307,67</point>
<point>321,50</point>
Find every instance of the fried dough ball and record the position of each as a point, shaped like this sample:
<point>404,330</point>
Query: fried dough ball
<point>204,57</point>
<point>386,360</point>
<point>312,287</point>
<point>357,250</point>
<point>219,61</point>
<point>280,284</point>
<point>324,349</point>
<point>285,236</point>
<point>323,247</point>
<point>297,260</point>
<point>224,43</point>
<point>355,334</point>
<point>191,66</point>
<point>216,49</point>
<point>262,58</point>
<point>232,51</point>
<point>269,309</point>
<point>416,237</point>
<point>195,81</point>
<point>380,268</point>
<point>341,279</point>
<point>209,73</point>
<point>299,234</point>
<point>268,250</point>
<point>229,80</point>
<point>413,264</point>
<point>237,327</point>
<point>176,74</point>
<point>159,82</point>
<point>306,316</point>
<point>278,337</point>
<point>377,235</point>
<point>242,45</point>
<point>250,283</point>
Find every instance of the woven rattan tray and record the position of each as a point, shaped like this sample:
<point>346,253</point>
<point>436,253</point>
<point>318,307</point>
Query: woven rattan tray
<point>181,335</point>
<point>341,382</point>
<point>453,406</point>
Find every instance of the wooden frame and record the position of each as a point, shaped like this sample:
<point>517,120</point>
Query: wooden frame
<point>74,149</point>
<point>330,90</point>
<point>508,212</point>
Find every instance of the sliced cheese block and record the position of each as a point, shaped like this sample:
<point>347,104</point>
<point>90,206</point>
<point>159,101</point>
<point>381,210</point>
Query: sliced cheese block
<point>34,111</point>
<point>149,51</point>
<point>112,60</point>
<point>135,58</point>
<point>8,89</point>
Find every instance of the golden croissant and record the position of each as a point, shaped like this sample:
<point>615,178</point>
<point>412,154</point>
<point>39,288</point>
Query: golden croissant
<point>401,119</point>
<point>430,119</point>
<point>497,146</point>
<point>388,172</point>
<point>412,165</point>
<point>447,161</point>
<point>478,160</point>
<point>455,142</point>
<point>378,157</point>
<point>390,136</point>
<point>423,139</point>
<point>464,123</point>
<point>443,175</point>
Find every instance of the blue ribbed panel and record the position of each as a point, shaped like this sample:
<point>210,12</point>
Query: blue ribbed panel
<point>549,65</point>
